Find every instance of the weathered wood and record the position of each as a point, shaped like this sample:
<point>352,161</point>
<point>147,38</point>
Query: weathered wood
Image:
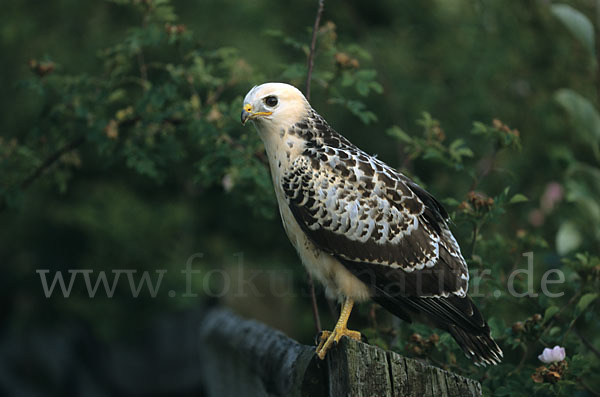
<point>358,369</point>
<point>246,358</point>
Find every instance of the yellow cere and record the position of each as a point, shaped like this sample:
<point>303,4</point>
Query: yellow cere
<point>248,108</point>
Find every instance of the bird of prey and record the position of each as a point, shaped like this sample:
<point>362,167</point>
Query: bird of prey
<point>362,228</point>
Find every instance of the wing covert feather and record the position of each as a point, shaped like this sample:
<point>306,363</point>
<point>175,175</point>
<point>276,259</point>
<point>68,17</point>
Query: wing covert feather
<point>374,219</point>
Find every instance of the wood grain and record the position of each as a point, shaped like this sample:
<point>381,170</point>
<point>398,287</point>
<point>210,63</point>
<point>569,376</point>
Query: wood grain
<point>246,358</point>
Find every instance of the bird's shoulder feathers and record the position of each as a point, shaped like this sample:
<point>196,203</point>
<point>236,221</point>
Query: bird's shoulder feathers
<point>370,216</point>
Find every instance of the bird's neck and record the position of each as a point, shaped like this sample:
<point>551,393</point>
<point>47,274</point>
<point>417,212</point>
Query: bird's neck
<point>306,136</point>
<point>282,145</point>
<point>279,138</point>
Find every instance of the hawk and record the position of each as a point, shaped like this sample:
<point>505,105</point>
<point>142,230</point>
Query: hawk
<point>361,228</point>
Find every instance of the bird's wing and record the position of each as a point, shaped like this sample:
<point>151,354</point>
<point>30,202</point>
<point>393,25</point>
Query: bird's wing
<point>376,221</point>
<point>388,232</point>
<point>393,236</point>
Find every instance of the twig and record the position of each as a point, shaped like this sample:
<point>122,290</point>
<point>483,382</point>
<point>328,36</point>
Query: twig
<point>487,168</point>
<point>51,160</point>
<point>45,165</point>
<point>311,54</point>
<point>333,311</point>
<point>587,342</point>
<point>313,299</point>
<point>588,388</point>
<point>551,322</point>
<point>522,362</point>
<point>140,54</point>
<point>474,240</point>
<point>311,62</point>
<point>372,316</point>
<point>54,157</point>
<point>142,65</point>
<point>597,49</point>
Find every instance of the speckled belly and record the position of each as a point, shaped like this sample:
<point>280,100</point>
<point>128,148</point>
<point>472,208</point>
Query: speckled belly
<point>338,281</point>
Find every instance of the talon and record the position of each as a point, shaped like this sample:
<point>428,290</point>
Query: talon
<point>321,339</point>
<point>326,342</point>
<point>327,339</point>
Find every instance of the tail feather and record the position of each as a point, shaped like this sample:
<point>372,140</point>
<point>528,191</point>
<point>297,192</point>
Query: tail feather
<point>457,315</point>
<point>482,349</point>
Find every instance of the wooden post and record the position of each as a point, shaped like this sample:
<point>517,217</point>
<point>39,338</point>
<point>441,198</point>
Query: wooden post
<point>246,358</point>
<point>358,369</point>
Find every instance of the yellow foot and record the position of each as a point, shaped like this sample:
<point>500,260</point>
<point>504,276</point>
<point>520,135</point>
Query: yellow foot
<point>323,336</point>
<point>327,339</point>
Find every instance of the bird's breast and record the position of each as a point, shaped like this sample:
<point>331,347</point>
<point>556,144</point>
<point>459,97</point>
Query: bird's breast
<point>338,281</point>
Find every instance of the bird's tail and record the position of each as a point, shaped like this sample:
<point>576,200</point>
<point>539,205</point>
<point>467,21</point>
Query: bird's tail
<point>482,349</point>
<point>461,318</point>
<point>457,315</point>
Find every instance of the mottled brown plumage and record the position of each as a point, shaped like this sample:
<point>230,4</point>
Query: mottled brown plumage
<point>361,227</point>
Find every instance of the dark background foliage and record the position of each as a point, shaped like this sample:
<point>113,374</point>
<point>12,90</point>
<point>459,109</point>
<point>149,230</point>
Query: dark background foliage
<point>121,149</point>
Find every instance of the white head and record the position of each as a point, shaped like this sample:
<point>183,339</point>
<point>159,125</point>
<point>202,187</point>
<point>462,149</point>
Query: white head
<point>274,106</point>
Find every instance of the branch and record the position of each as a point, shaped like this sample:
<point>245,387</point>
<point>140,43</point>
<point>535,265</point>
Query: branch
<point>597,41</point>
<point>143,68</point>
<point>313,299</point>
<point>474,240</point>
<point>51,160</point>
<point>45,165</point>
<point>311,63</point>
<point>487,169</point>
<point>586,342</point>
<point>311,54</point>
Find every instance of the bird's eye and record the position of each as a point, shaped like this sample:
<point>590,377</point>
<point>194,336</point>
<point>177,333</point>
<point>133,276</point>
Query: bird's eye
<point>271,101</point>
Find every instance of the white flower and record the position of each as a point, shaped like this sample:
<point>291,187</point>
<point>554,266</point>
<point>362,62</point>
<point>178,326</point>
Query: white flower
<point>552,355</point>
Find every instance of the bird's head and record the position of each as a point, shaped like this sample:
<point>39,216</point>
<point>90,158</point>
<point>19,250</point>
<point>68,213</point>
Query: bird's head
<point>274,105</point>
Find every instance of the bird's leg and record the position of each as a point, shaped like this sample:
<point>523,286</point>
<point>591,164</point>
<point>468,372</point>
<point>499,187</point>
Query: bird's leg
<point>328,338</point>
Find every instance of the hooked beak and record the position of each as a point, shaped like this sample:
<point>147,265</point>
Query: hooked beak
<point>248,114</point>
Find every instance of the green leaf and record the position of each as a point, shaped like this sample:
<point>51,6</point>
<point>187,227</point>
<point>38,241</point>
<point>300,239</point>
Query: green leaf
<point>585,301</point>
<point>360,52</point>
<point>117,95</point>
<point>517,198</point>
<point>577,23</point>
<point>348,79</point>
<point>289,41</point>
<point>399,134</point>
<point>582,112</point>
<point>449,201</point>
<point>459,149</point>
<point>554,331</point>
<point>549,313</point>
<point>568,238</point>
<point>479,128</point>
<point>294,71</point>
<point>375,86</point>
<point>357,108</point>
